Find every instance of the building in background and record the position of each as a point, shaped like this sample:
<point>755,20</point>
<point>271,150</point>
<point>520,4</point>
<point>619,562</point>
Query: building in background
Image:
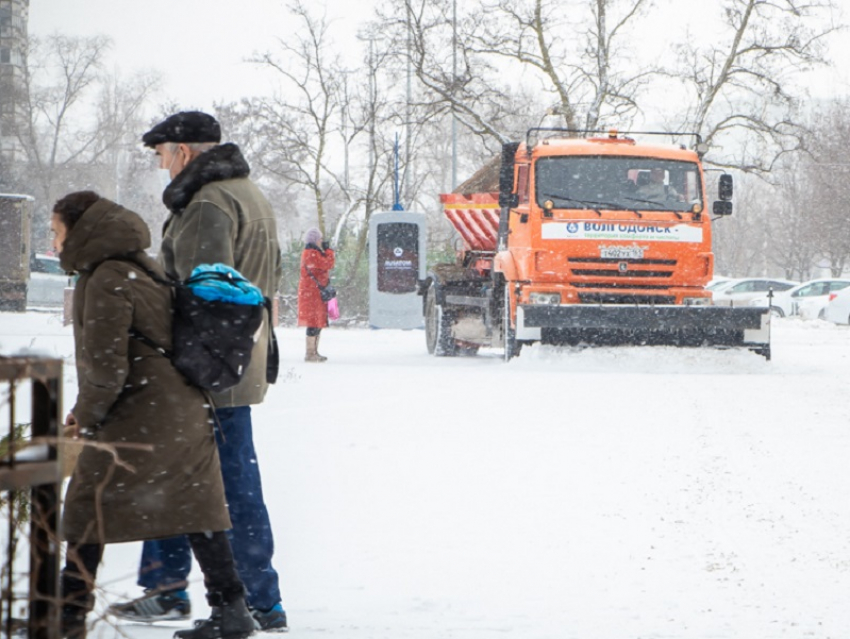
<point>13,40</point>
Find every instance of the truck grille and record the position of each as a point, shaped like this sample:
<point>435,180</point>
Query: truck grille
<point>615,273</point>
<point>605,267</point>
<point>620,287</point>
<point>616,298</point>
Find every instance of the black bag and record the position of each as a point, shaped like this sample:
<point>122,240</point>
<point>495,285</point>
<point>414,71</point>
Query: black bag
<point>327,293</point>
<point>212,340</point>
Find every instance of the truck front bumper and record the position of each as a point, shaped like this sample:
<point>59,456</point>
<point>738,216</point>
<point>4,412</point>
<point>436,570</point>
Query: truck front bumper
<point>713,325</point>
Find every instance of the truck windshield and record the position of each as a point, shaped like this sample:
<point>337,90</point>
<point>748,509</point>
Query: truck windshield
<point>618,183</point>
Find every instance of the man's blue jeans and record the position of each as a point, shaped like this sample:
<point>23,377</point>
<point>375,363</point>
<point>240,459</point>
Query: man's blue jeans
<point>167,562</point>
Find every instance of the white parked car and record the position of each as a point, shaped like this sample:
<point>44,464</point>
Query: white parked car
<point>837,309</point>
<point>47,283</point>
<point>742,291</point>
<point>717,282</point>
<point>806,299</point>
<point>812,308</point>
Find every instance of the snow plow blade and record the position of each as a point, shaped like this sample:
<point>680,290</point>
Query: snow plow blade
<point>745,327</point>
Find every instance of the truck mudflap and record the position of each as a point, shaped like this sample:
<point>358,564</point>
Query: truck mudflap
<point>747,327</point>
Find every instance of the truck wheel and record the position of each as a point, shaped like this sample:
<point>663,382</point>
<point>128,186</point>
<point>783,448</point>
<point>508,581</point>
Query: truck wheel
<point>437,327</point>
<point>512,347</point>
<point>776,311</point>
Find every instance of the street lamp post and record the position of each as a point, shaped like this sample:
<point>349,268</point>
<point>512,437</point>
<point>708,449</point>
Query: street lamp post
<point>454,84</point>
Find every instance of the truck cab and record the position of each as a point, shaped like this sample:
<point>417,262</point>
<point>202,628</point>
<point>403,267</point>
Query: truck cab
<point>607,221</point>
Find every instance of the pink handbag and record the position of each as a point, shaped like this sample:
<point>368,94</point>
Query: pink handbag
<point>333,309</point>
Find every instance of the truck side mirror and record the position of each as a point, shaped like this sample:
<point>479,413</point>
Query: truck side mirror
<point>508,200</point>
<point>722,208</point>
<point>724,189</point>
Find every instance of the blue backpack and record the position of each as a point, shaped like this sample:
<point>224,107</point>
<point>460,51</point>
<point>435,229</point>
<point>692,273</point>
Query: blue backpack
<point>216,317</point>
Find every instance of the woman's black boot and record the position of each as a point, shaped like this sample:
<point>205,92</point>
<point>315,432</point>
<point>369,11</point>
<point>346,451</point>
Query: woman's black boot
<point>74,612</point>
<point>229,620</point>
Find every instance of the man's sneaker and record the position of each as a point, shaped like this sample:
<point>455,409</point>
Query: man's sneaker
<point>154,606</point>
<point>273,620</point>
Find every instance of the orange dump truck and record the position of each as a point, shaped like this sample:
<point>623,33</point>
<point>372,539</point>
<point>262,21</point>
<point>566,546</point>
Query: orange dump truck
<point>597,240</point>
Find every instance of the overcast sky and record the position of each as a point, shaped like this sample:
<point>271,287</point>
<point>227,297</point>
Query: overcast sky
<point>200,46</point>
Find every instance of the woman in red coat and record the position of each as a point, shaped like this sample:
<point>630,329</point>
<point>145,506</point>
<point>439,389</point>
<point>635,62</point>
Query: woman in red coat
<point>317,260</point>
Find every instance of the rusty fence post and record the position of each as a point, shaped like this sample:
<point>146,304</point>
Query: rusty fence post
<point>36,468</point>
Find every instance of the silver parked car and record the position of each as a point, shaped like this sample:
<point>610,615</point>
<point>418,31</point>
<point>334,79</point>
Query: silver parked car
<point>47,283</point>
<point>741,291</point>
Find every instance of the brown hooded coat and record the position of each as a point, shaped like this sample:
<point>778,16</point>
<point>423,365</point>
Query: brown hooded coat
<point>130,394</point>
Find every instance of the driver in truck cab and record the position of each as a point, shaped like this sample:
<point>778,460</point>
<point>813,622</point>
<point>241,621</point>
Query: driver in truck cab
<point>655,189</point>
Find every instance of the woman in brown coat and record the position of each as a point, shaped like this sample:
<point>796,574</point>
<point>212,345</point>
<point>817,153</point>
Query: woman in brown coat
<point>317,260</point>
<point>152,469</point>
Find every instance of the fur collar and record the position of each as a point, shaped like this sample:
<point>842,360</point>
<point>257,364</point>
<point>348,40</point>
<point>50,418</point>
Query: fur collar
<point>222,162</point>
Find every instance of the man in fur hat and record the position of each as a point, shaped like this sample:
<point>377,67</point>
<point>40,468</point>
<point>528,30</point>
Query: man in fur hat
<point>217,214</point>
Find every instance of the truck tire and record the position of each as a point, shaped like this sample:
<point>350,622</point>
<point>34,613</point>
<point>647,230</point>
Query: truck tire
<point>512,346</point>
<point>438,327</point>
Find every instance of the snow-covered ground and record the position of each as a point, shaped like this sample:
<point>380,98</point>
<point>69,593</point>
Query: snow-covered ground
<point>603,493</point>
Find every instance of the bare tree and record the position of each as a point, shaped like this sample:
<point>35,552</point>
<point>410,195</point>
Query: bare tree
<point>792,240</point>
<point>72,120</point>
<point>119,107</point>
<point>321,140</point>
<point>307,122</point>
<point>741,87</point>
<point>366,113</point>
<point>452,78</point>
<point>825,172</point>
<point>56,74</point>
<point>464,62</point>
<point>587,75</point>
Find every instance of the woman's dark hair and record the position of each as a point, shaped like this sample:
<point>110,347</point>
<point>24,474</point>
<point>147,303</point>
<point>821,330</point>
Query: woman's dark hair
<point>71,207</point>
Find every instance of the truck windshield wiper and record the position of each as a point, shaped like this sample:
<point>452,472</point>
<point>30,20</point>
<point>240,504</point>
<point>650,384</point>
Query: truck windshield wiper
<point>607,205</point>
<point>656,202</point>
<point>572,199</point>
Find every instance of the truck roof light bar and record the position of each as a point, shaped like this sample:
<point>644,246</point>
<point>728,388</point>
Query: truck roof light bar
<point>610,133</point>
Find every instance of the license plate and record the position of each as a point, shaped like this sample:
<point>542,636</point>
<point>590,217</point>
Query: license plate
<point>621,252</point>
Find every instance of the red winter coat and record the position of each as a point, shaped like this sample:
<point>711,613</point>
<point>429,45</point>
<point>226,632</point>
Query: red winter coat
<point>312,311</point>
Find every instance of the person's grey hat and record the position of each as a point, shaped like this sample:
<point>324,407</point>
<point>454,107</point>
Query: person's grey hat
<point>186,126</point>
<point>313,236</point>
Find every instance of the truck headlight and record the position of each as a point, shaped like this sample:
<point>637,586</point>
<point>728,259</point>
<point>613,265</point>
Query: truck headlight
<point>696,301</point>
<point>552,299</point>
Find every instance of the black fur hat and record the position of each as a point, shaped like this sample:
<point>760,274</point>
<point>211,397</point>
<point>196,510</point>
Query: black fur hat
<point>186,126</point>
